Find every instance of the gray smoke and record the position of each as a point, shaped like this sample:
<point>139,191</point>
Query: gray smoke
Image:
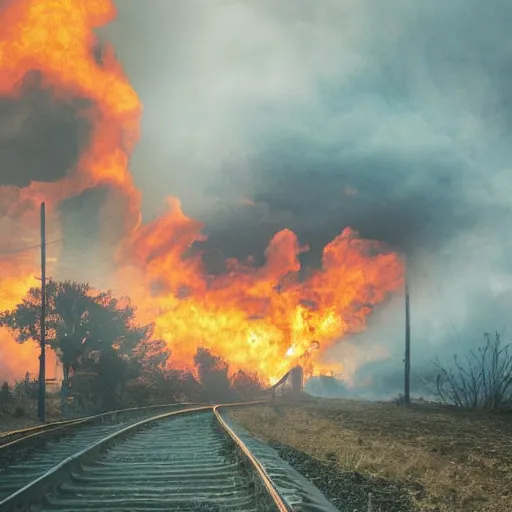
<point>391,117</point>
<point>40,138</point>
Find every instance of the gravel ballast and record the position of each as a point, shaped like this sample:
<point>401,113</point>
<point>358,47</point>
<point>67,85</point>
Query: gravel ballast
<point>349,491</point>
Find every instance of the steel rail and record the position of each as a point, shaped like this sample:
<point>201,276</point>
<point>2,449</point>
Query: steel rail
<point>39,486</point>
<point>40,431</point>
<point>46,427</point>
<point>36,428</point>
<point>36,486</point>
<point>256,464</point>
<point>24,432</point>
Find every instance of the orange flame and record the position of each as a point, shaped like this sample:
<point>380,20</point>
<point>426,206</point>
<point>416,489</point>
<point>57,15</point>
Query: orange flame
<point>259,319</point>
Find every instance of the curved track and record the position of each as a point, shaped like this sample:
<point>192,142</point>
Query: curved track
<point>25,433</point>
<point>184,460</point>
<point>14,435</point>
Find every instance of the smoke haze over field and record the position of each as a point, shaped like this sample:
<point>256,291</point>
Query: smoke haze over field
<point>391,117</point>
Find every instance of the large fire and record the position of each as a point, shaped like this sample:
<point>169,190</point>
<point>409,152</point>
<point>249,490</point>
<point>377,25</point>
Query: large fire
<point>259,319</point>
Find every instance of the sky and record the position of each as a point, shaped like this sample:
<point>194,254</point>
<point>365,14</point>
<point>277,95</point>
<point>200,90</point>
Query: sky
<point>391,117</point>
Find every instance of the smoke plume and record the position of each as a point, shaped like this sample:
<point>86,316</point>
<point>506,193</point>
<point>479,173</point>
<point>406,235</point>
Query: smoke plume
<point>391,118</point>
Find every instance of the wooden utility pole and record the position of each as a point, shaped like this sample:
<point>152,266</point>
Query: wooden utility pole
<point>407,381</point>
<point>42,358</point>
<point>297,381</point>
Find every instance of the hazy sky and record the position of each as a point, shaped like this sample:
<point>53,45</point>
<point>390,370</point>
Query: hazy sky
<point>294,104</point>
<point>392,117</point>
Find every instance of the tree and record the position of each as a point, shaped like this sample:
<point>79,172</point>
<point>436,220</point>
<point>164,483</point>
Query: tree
<point>480,379</point>
<point>245,386</point>
<point>152,356</point>
<point>6,396</point>
<point>81,325</point>
<point>213,375</point>
<point>157,383</point>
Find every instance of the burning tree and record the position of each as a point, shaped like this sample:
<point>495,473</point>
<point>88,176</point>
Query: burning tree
<point>245,386</point>
<point>213,375</point>
<point>86,328</point>
<point>157,382</point>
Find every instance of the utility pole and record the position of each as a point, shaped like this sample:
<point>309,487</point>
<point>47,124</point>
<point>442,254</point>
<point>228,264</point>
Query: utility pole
<point>42,357</point>
<point>407,381</point>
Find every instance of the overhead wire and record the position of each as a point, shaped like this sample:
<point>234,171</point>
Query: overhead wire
<point>14,252</point>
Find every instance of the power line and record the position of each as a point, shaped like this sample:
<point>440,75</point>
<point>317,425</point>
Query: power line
<point>15,252</point>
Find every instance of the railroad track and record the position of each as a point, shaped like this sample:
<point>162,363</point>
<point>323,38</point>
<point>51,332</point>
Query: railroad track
<point>182,460</point>
<point>15,435</point>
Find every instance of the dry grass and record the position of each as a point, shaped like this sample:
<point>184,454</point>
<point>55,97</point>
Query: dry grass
<point>450,460</point>
<point>8,420</point>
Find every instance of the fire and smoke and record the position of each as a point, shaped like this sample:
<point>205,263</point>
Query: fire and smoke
<point>259,318</point>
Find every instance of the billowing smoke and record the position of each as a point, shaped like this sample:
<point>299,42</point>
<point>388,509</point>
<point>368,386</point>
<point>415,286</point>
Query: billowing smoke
<point>393,118</point>
<point>40,139</point>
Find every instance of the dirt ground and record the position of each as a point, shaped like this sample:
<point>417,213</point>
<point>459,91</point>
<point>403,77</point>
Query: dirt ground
<point>444,459</point>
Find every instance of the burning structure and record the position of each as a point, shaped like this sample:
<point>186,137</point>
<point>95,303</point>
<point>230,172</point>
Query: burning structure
<point>54,69</point>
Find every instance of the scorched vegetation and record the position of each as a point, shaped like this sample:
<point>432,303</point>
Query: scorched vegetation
<point>109,361</point>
